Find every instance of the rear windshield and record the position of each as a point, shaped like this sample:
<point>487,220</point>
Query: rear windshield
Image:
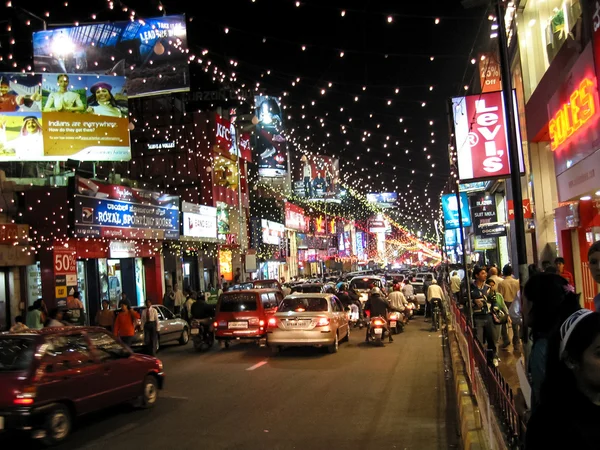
<point>16,353</point>
<point>238,302</point>
<point>308,289</point>
<point>266,285</point>
<point>417,288</point>
<point>365,283</point>
<point>303,304</point>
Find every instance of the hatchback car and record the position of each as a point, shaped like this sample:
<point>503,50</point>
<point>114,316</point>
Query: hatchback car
<point>308,320</point>
<point>51,376</point>
<point>243,315</point>
<point>171,328</point>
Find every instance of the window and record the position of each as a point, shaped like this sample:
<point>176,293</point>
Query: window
<point>317,304</point>
<point>334,305</point>
<point>268,300</point>
<point>16,353</point>
<point>339,305</point>
<point>166,313</point>
<point>106,346</point>
<point>67,351</point>
<point>237,302</point>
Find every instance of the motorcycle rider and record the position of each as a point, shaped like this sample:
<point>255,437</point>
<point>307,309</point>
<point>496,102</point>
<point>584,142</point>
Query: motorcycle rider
<point>203,313</point>
<point>398,302</point>
<point>378,306</point>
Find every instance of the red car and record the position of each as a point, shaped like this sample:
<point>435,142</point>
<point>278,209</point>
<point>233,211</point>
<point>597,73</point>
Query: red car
<point>51,376</point>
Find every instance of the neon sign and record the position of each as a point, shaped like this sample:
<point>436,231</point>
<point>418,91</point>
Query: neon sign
<point>580,108</point>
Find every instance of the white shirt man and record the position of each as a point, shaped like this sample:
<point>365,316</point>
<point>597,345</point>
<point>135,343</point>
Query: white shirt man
<point>398,300</point>
<point>435,291</point>
<point>150,315</point>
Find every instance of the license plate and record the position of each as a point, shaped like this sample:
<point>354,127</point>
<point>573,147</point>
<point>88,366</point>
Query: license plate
<point>393,323</point>
<point>237,325</point>
<point>195,331</point>
<point>378,330</point>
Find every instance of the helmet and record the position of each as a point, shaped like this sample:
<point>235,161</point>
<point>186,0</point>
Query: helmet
<point>375,291</point>
<point>344,287</point>
<point>328,289</point>
<point>397,287</point>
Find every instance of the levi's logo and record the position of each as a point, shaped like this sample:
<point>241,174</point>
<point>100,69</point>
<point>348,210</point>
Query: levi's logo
<point>488,126</point>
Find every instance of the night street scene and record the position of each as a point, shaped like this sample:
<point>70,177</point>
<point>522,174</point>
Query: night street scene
<point>300,224</point>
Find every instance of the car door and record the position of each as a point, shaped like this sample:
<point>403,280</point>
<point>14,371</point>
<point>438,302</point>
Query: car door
<point>70,371</point>
<point>343,317</point>
<point>169,328</point>
<point>335,314</point>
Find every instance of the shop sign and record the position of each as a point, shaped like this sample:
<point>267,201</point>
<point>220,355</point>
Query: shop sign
<point>450,210</point>
<point>295,218</point>
<point>484,243</point>
<point>226,264</point>
<point>15,255</point>
<point>492,230</point>
<point>473,187</point>
<point>11,233</point>
<point>113,211</point>
<point>481,136</point>
<point>483,211</point>
<point>320,225</point>
<point>489,73</point>
<point>527,212</point>
<point>65,274</point>
<point>122,249</point>
<point>199,221</point>
<point>166,145</point>
<point>271,146</point>
<point>272,232</point>
<point>225,134</point>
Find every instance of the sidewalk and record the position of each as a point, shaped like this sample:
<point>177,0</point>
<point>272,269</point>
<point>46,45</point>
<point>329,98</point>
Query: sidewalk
<point>507,366</point>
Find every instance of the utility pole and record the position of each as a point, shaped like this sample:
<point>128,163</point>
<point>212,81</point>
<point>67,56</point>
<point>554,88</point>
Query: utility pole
<point>513,145</point>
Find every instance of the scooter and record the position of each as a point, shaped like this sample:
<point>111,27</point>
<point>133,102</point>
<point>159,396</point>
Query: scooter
<point>396,320</point>
<point>377,327</point>
<point>203,336</point>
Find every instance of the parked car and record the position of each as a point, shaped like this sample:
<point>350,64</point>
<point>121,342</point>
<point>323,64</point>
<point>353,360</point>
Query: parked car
<point>419,293</point>
<point>308,320</point>
<point>51,376</point>
<point>171,328</point>
<point>362,285</point>
<point>314,288</point>
<point>243,315</point>
<point>266,284</point>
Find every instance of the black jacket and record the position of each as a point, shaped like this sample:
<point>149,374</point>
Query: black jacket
<point>377,305</point>
<point>344,298</point>
<point>202,310</point>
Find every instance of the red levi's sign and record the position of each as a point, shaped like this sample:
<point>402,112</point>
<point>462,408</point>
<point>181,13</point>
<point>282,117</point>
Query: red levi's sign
<point>481,137</point>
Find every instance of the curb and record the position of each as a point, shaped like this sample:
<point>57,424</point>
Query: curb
<point>471,430</point>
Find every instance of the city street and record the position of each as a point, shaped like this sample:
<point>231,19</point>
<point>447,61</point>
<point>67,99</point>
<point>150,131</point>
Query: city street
<point>243,398</point>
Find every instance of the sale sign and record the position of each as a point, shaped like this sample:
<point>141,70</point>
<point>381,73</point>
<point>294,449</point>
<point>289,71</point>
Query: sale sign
<point>489,73</point>
<point>65,274</point>
<point>480,125</point>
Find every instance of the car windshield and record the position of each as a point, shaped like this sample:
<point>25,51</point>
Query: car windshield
<point>266,285</point>
<point>303,304</point>
<point>308,288</point>
<point>238,302</point>
<point>241,287</point>
<point>365,283</point>
<point>16,353</point>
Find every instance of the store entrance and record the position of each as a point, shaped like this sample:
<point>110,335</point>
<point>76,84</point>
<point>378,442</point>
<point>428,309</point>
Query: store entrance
<point>191,279</point>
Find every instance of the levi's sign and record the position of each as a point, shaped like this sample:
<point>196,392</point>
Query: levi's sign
<point>573,114</point>
<point>481,137</point>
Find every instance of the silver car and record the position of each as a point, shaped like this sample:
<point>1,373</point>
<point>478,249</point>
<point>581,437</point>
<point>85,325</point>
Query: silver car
<point>171,328</point>
<point>308,320</point>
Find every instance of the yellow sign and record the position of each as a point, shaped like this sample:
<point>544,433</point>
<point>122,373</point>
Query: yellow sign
<point>61,292</point>
<point>226,264</point>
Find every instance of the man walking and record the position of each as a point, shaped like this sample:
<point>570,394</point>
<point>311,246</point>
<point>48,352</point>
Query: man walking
<point>455,286</point>
<point>150,327</point>
<point>509,289</point>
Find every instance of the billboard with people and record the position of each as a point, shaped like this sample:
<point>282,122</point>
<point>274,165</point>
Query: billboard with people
<point>271,144</point>
<point>316,177</point>
<point>63,116</point>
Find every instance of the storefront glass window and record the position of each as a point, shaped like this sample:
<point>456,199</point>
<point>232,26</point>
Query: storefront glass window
<point>103,274</point>
<point>114,281</point>
<point>81,283</point>
<point>140,286</point>
<point>543,27</point>
<point>34,283</point>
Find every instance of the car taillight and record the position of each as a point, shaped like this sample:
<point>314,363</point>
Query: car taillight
<point>272,322</point>
<point>394,316</point>
<point>25,397</point>
<point>215,324</point>
<point>322,322</point>
<point>378,323</point>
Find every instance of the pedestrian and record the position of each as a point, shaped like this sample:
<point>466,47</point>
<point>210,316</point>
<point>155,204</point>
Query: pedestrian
<point>509,288</point>
<point>105,318</point>
<point>594,265</point>
<point>482,318</point>
<point>125,323</point>
<point>560,267</point>
<point>493,275</point>
<point>426,285</point>
<point>150,327</point>
<point>498,309</point>
<point>75,301</point>
<point>516,318</point>
<point>19,325</point>
<point>36,317</point>
<point>548,300</point>
<point>179,299</point>
<point>169,298</point>
<point>455,286</point>
<point>238,276</point>
<point>569,411</point>
<point>56,318</point>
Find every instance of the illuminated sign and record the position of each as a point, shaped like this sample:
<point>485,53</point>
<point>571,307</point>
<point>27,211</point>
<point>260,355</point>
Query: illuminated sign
<point>580,108</point>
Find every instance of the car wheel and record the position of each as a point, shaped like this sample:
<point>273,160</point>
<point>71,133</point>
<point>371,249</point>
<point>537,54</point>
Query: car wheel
<point>333,348</point>
<point>347,337</point>
<point>185,337</point>
<point>150,392</point>
<point>58,425</point>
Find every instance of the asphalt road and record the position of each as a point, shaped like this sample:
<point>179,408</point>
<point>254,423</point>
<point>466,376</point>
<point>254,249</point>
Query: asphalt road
<point>363,397</point>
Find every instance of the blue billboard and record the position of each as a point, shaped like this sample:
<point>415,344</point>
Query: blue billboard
<point>450,209</point>
<point>383,199</point>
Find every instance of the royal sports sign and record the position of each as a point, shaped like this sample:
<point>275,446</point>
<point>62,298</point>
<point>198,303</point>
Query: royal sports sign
<point>480,125</point>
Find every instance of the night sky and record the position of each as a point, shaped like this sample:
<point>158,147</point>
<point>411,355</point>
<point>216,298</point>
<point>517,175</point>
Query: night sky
<point>368,90</point>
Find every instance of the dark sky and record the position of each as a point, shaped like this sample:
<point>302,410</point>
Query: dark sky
<point>372,116</point>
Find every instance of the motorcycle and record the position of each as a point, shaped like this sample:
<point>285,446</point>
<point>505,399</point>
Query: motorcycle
<point>203,336</point>
<point>396,321</point>
<point>377,330</point>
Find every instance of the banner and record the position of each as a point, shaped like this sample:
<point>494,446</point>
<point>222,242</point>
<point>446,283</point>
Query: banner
<point>317,177</point>
<point>55,117</point>
<point>295,218</point>
<point>482,138</point>
<point>272,232</point>
<point>151,53</point>
<point>450,209</point>
<point>527,212</point>
<point>483,211</point>
<point>384,199</point>
<point>113,211</point>
<point>199,221</point>
<point>492,230</point>
<point>270,143</point>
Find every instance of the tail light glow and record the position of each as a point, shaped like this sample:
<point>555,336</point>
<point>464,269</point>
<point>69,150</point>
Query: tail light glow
<point>215,324</point>
<point>272,322</point>
<point>322,322</point>
<point>378,322</point>
<point>25,397</point>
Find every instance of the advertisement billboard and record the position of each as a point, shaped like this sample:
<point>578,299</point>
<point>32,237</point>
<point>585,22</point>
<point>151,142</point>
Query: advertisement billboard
<point>272,232</point>
<point>383,199</point>
<point>295,218</point>
<point>55,117</point>
<point>483,211</point>
<point>450,209</point>
<point>482,138</point>
<point>316,177</point>
<point>151,53</point>
<point>270,143</point>
<point>113,211</point>
<point>199,221</point>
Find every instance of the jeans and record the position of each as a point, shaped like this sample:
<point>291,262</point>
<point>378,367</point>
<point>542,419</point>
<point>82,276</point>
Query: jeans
<point>484,328</point>
<point>150,337</point>
<point>127,340</point>
<point>516,329</point>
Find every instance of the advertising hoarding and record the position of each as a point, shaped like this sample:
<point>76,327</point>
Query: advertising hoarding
<point>272,232</point>
<point>383,199</point>
<point>199,221</point>
<point>450,209</point>
<point>316,177</point>
<point>361,245</point>
<point>113,211</point>
<point>482,138</point>
<point>55,117</point>
<point>270,143</point>
<point>151,53</point>
<point>483,212</point>
<point>295,218</point>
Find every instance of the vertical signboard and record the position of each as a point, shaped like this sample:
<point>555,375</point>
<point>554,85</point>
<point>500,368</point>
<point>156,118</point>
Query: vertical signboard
<point>483,210</point>
<point>450,209</point>
<point>489,73</point>
<point>65,275</point>
<point>270,142</point>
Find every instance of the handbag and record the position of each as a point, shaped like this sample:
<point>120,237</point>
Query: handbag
<point>499,316</point>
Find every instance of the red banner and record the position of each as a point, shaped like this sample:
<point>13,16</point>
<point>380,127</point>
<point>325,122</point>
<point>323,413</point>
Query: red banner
<point>527,212</point>
<point>295,218</point>
<point>223,133</point>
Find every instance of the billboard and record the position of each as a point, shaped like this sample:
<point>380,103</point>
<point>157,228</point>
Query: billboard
<point>450,209</point>
<point>383,199</point>
<point>480,126</point>
<point>316,177</point>
<point>483,211</point>
<point>295,218</point>
<point>272,232</point>
<point>199,221</point>
<point>270,143</point>
<point>114,211</point>
<point>151,53</point>
<point>55,117</point>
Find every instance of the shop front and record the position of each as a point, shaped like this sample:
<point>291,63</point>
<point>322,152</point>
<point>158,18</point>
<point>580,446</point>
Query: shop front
<point>296,223</point>
<point>270,239</point>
